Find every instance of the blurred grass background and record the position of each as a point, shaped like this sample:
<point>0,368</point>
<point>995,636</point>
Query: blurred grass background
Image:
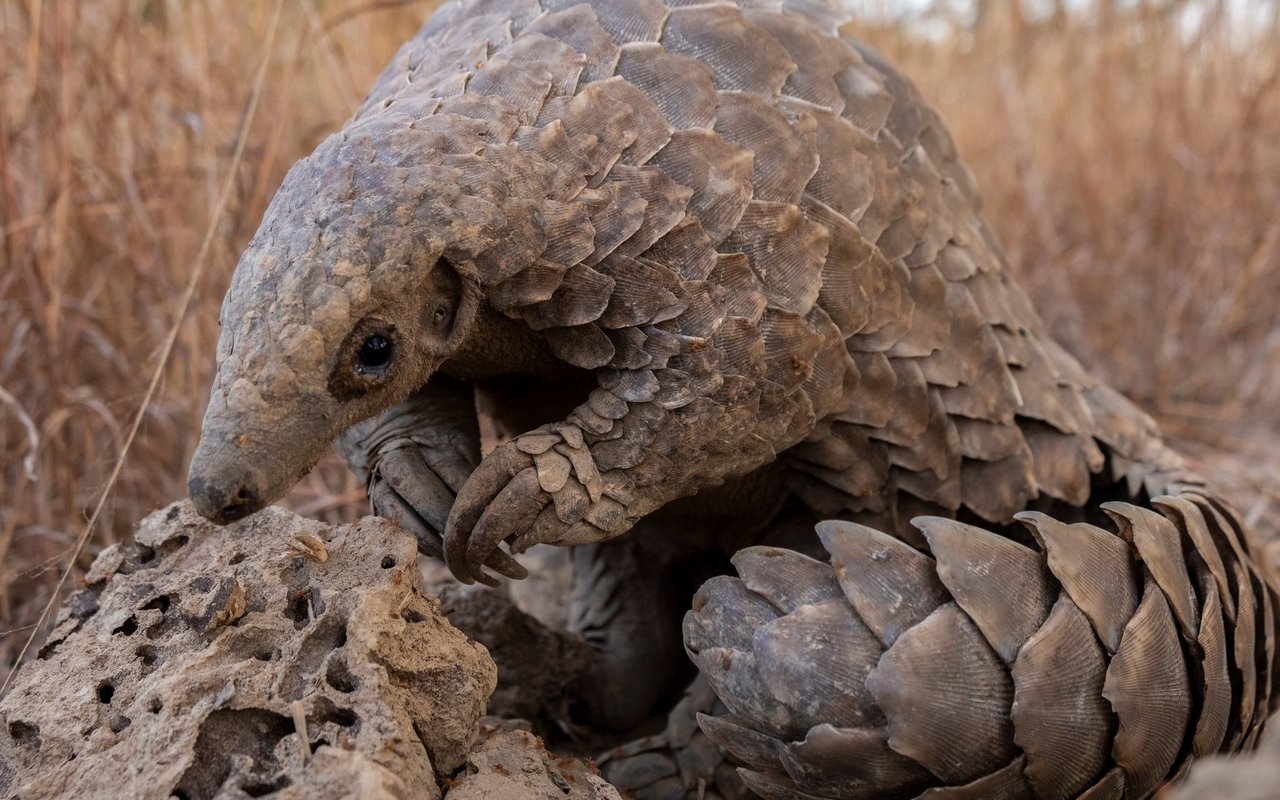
<point>1129,152</point>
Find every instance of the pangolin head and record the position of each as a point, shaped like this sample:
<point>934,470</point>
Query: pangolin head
<point>356,287</point>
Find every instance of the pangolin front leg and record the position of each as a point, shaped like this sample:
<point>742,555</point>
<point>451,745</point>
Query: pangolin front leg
<point>416,457</point>
<point>715,397</point>
<point>521,478</point>
<point>564,484</point>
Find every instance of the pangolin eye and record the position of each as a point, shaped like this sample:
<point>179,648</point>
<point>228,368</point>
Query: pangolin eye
<point>375,354</point>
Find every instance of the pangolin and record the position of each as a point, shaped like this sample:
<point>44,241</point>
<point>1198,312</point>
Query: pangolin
<point>719,270</point>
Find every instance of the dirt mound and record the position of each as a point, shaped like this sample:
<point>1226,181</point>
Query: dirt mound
<point>278,657</point>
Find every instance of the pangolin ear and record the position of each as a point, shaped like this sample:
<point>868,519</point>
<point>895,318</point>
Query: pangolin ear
<point>450,301</point>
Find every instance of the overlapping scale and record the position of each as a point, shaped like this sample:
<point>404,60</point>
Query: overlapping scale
<point>1003,586</point>
<point>1060,719</point>
<point>928,699</point>
<point>992,669</point>
<point>839,761</point>
<point>1094,567</point>
<point>759,235</point>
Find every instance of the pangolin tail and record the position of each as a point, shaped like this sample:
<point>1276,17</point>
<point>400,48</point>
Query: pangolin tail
<point>1085,662</point>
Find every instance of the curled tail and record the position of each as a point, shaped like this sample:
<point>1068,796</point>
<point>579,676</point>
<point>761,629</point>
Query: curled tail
<point>1084,663</point>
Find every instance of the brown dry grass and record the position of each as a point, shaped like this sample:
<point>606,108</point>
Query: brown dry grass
<point>1130,162</point>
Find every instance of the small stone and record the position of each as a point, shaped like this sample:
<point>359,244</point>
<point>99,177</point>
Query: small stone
<point>514,765</point>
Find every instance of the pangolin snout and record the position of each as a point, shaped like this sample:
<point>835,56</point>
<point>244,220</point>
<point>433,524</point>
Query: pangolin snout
<point>247,460</point>
<point>224,499</point>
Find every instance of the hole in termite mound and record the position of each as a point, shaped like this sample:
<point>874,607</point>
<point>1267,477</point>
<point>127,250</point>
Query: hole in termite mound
<point>339,676</point>
<point>25,734</point>
<point>106,691</point>
<point>303,607</point>
<point>250,735</point>
<point>160,604</point>
<point>151,657</point>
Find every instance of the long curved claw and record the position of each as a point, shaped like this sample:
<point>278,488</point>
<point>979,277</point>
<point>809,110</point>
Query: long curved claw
<point>545,528</point>
<point>407,473</point>
<point>502,563</point>
<point>386,503</point>
<point>608,520</point>
<point>408,489</point>
<point>486,483</point>
<point>518,502</point>
<point>524,493</point>
<point>453,465</point>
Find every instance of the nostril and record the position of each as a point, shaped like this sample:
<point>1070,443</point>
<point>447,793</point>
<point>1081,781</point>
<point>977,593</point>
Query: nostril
<point>245,502</point>
<point>235,511</point>
<point>221,500</point>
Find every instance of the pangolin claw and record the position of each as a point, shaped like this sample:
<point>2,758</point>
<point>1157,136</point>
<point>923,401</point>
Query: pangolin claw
<point>467,542</point>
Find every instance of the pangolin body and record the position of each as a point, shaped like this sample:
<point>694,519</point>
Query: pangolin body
<point>754,246</point>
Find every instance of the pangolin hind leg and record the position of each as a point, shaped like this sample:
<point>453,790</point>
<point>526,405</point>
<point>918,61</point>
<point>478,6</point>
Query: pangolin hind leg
<point>681,760</point>
<point>628,598</point>
<point>630,593</point>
